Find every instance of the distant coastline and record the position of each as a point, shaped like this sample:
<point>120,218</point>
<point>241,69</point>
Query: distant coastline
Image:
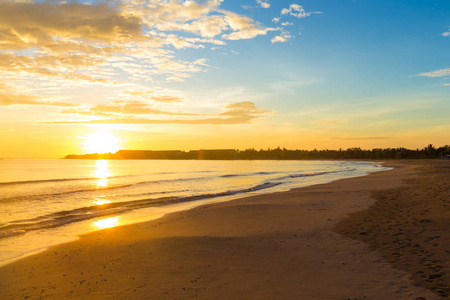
<point>429,152</point>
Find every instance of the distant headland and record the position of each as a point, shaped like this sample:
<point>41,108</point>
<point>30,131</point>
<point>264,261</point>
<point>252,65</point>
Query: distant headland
<point>429,152</point>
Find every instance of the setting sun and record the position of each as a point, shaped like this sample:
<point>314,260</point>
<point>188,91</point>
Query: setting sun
<point>101,142</point>
<point>326,123</point>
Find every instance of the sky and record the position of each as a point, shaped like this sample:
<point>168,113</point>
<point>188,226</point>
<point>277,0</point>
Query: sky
<point>99,76</point>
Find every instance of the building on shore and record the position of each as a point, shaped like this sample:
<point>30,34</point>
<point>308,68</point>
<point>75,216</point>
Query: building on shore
<point>148,154</point>
<point>166,154</point>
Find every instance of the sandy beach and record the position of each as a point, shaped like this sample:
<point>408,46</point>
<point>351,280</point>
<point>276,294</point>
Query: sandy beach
<point>300,244</point>
<point>410,226</point>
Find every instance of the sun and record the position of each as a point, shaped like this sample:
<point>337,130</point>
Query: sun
<point>101,142</point>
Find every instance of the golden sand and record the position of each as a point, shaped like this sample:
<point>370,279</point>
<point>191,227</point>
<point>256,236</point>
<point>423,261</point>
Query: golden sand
<point>410,226</point>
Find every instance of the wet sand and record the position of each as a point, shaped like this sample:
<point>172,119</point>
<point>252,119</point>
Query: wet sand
<point>274,246</point>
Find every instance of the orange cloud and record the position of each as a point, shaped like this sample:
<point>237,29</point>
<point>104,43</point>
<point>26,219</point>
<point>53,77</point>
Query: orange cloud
<point>150,95</point>
<point>114,42</point>
<point>119,112</point>
<point>45,22</point>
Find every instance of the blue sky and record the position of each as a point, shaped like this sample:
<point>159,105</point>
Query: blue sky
<point>159,74</point>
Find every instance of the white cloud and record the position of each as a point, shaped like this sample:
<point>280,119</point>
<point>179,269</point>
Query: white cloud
<point>447,33</point>
<point>437,73</point>
<point>278,39</point>
<point>264,4</point>
<point>243,27</point>
<point>293,10</point>
<point>297,11</point>
<point>283,37</point>
<point>208,26</point>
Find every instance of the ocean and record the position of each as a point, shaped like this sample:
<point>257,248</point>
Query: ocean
<point>48,202</point>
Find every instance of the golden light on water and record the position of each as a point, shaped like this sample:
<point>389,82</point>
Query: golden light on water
<point>107,223</point>
<point>102,168</point>
<point>101,201</point>
<point>102,173</point>
<point>101,183</point>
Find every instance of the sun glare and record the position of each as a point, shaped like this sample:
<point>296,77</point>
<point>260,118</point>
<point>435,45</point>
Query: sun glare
<point>106,223</point>
<point>101,169</point>
<point>101,142</point>
<point>101,201</point>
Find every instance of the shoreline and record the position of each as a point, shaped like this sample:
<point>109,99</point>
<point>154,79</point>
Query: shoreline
<point>37,240</point>
<point>279,246</point>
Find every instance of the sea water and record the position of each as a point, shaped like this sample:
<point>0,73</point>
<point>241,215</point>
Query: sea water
<point>47,202</point>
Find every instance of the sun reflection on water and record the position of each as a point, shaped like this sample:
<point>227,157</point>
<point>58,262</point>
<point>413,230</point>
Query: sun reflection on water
<point>101,183</point>
<point>106,223</point>
<point>101,201</point>
<point>102,173</point>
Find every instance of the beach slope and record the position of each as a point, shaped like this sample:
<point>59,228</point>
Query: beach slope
<point>410,225</point>
<point>273,246</point>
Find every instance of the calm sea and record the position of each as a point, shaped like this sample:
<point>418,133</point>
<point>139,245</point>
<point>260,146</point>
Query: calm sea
<point>47,202</point>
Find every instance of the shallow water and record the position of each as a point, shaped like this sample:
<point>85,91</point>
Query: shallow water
<point>47,202</point>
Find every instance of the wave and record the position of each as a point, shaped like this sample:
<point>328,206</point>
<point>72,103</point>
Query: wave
<point>91,178</point>
<point>38,197</point>
<point>312,174</point>
<point>94,188</point>
<point>44,181</point>
<point>85,213</point>
<point>248,174</point>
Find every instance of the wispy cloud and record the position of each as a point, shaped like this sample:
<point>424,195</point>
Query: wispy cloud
<point>243,27</point>
<point>119,112</point>
<point>10,97</point>
<point>447,33</point>
<point>19,99</point>
<point>150,95</point>
<point>294,10</point>
<point>120,108</point>
<point>298,11</point>
<point>437,73</point>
